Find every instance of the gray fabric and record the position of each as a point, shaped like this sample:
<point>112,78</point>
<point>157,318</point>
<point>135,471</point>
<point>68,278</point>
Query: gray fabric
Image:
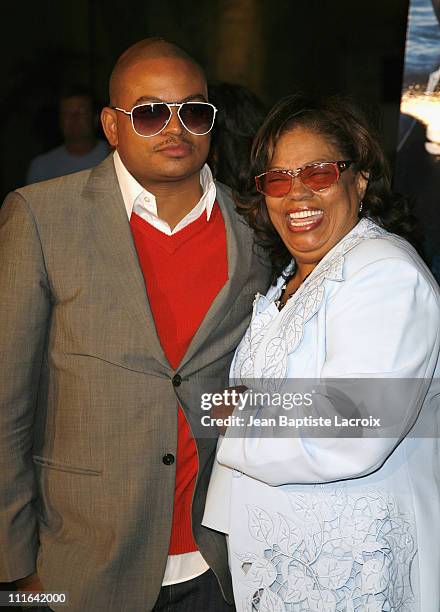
<point>87,406</point>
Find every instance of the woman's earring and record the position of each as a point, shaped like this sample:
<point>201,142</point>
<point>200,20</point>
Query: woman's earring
<point>361,205</point>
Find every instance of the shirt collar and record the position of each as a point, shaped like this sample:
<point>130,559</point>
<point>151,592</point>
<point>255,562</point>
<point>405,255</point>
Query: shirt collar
<point>132,191</point>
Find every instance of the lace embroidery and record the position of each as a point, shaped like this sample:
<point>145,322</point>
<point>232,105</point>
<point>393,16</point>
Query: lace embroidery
<point>337,552</point>
<point>290,321</point>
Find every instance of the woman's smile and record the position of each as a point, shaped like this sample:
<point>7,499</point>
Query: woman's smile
<point>304,219</point>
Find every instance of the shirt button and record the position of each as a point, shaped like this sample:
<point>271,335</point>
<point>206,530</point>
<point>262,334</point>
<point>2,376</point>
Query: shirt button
<point>177,380</point>
<point>168,459</point>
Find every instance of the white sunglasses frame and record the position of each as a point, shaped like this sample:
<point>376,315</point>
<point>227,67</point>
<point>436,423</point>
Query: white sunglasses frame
<point>178,105</point>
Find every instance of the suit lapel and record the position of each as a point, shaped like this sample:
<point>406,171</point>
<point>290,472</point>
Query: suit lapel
<point>239,254</point>
<point>112,234</point>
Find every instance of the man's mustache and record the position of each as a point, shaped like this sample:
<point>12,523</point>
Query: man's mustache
<point>172,142</point>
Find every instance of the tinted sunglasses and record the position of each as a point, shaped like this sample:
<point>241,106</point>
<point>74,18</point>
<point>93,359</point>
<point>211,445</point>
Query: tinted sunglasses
<point>317,176</point>
<point>150,119</point>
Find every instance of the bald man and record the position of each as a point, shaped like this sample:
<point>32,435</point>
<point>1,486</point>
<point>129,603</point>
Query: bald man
<point>123,290</point>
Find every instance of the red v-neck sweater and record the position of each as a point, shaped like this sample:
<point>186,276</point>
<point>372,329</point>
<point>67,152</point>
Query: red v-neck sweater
<point>183,273</point>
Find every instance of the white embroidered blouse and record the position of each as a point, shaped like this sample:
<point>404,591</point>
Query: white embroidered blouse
<point>340,523</point>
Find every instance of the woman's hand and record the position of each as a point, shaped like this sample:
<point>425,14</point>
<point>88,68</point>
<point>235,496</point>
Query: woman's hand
<point>224,410</point>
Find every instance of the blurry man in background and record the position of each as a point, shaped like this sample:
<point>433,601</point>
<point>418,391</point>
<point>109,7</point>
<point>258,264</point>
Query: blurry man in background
<point>81,149</point>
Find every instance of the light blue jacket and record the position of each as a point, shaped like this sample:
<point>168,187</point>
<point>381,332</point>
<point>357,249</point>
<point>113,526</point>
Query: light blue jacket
<point>339,523</point>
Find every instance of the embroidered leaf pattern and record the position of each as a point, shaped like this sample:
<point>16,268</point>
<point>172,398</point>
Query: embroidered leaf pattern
<point>298,584</point>
<point>260,524</point>
<point>359,550</point>
<point>276,359</point>
<point>304,507</point>
<point>261,572</point>
<point>271,602</point>
<point>338,551</point>
<point>289,536</point>
<point>320,601</point>
<point>333,572</point>
<point>375,576</point>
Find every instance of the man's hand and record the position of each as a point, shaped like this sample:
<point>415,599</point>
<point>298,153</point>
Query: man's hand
<point>30,583</point>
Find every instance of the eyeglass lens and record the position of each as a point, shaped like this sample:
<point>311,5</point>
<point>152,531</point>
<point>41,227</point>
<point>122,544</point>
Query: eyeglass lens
<point>197,118</point>
<point>277,184</point>
<point>150,119</point>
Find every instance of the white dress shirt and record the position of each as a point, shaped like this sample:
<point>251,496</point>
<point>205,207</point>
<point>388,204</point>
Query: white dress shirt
<point>179,568</point>
<point>143,203</point>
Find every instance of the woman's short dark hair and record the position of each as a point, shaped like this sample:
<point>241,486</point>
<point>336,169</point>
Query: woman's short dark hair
<point>346,126</point>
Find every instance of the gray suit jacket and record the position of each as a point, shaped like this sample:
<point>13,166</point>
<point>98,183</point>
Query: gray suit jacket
<point>87,402</point>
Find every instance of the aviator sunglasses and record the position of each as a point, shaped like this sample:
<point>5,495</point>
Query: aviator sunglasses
<point>317,177</point>
<point>150,119</point>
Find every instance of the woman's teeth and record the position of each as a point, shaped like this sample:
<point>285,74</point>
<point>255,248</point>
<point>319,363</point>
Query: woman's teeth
<point>305,217</point>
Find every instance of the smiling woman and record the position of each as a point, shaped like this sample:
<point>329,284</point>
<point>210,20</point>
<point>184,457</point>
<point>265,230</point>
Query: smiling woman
<point>313,215</point>
<point>320,519</point>
<point>298,133</point>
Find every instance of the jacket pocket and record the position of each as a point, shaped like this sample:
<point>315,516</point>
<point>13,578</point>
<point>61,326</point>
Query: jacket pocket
<point>64,467</point>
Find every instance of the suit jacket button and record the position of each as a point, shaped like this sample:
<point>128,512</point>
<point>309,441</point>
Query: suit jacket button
<point>168,459</point>
<point>177,380</point>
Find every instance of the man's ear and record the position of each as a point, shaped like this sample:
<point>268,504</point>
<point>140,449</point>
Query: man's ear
<point>110,125</point>
<point>362,184</point>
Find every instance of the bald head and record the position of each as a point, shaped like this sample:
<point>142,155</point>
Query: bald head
<point>146,49</point>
